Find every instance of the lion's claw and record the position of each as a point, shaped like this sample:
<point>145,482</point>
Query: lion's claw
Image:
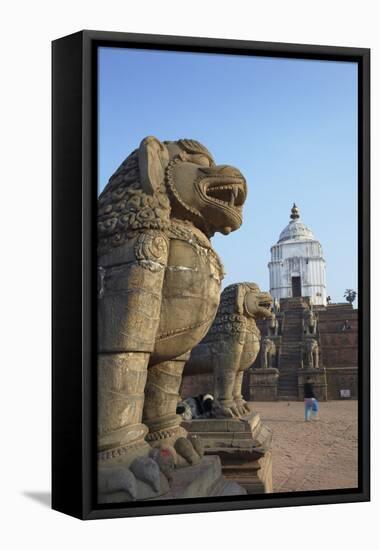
<point>117,478</point>
<point>243,407</point>
<point>185,447</point>
<point>147,470</point>
<point>198,445</point>
<point>234,409</point>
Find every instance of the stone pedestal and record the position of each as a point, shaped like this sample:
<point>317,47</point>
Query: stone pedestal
<point>203,480</point>
<point>342,378</point>
<point>263,384</point>
<point>244,447</point>
<point>317,379</point>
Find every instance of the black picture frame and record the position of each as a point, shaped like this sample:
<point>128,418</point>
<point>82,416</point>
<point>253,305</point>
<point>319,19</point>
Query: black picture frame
<point>74,178</point>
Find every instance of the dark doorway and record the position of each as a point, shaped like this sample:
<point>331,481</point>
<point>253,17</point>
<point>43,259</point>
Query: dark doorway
<point>296,287</point>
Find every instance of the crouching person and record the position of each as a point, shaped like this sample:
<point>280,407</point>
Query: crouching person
<point>200,406</point>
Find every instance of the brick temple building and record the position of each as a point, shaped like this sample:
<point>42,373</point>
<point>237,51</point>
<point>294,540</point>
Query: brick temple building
<point>309,337</point>
<point>336,340</point>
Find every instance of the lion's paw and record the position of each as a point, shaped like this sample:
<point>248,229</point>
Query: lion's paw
<point>242,407</point>
<point>178,453</point>
<point>227,409</point>
<point>147,470</point>
<point>190,449</point>
<point>113,479</point>
<point>119,479</point>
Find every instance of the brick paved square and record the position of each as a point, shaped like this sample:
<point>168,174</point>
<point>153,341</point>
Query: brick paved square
<point>314,455</point>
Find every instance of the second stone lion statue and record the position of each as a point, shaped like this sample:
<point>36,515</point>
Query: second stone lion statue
<point>232,345</point>
<point>159,286</point>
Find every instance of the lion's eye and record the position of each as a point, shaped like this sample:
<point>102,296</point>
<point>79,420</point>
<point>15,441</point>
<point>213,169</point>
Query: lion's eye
<point>200,159</point>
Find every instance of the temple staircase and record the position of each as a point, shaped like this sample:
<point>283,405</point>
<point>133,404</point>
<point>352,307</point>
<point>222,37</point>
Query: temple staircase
<point>291,348</point>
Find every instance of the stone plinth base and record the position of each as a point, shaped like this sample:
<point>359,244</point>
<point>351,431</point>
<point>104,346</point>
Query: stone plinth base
<point>263,384</point>
<point>317,379</point>
<point>342,378</point>
<point>144,492</point>
<point>203,480</point>
<point>243,446</point>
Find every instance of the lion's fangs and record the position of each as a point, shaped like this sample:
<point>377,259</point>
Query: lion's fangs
<point>234,190</point>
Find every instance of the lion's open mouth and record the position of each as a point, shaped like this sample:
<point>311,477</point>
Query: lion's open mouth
<point>231,194</point>
<point>265,302</point>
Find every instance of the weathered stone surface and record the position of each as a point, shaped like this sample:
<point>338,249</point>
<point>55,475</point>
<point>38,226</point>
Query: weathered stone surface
<point>196,384</point>
<point>263,384</point>
<point>159,286</point>
<point>204,479</point>
<point>143,490</point>
<point>231,346</point>
<point>243,446</point>
<point>342,378</point>
<point>338,329</point>
<point>201,480</point>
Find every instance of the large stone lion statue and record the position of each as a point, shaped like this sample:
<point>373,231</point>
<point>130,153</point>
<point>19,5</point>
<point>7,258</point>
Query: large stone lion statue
<point>232,345</point>
<point>158,293</point>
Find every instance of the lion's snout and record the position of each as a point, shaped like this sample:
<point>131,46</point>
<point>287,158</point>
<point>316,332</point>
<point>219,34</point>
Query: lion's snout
<point>224,170</point>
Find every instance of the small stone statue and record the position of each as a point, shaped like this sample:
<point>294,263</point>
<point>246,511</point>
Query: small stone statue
<point>346,326</point>
<point>232,345</point>
<point>268,353</point>
<point>311,352</point>
<point>310,321</point>
<point>159,290</point>
<point>272,325</point>
<point>273,322</point>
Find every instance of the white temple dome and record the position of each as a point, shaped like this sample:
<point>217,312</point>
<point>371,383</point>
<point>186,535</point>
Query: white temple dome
<point>296,229</point>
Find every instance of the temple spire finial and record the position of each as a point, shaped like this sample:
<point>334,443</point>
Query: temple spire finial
<point>295,214</point>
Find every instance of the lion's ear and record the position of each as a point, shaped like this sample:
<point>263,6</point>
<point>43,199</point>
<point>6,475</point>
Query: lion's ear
<point>250,303</point>
<point>153,159</point>
<point>240,295</point>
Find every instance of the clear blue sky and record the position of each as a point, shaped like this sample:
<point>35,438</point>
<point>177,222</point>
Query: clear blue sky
<point>289,125</point>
